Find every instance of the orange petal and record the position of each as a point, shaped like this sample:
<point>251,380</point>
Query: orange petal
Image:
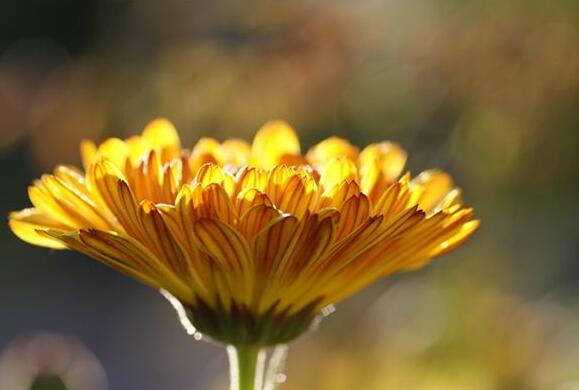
<point>213,174</point>
<point>213,201</point>
<point>255,219</point>
<point>270,245</point>
<point>116,195</point>
<point>223,244</point>
<point>249,198</point>
<point>354,211</point>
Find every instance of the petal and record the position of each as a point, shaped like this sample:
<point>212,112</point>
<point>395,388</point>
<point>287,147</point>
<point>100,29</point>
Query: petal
<point>249,198</point>
<point>250,177</point>
<point>75,204</point>
<point>126,255</point>
<point>113,251</point>
<point>116,196</point>
<point>44,201</point>
<point>353,213</point>
<point>313,244</point>
<point>161,134</point>
<point>292,190</point>
<point>336,171</point>
<point>330,149</point>
<point>213,201</point>
<point>213,174</point>
<point>284,251</point>
<point>224,245</point>
<point>298,197</point>
<point>25,223</point>
<point>274,141</point>
<point>114,150</point>
<point>236,152</point>
<point>380,164</point>
<point>370,233</point>
<point>139,148</point>
<point>273,241</point>
<point>73,178</point>
<point>454,197</point>
<point>160,240</point>
<point>433,185</point>
<point>206,146</point>
<point>338,194</point>
<point>396,198</point>
<point>255,219</point>
<point>389,157</point>
<point>88,151</point>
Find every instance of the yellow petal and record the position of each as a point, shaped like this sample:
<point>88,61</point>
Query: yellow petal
<point>116,195</point>
<point>25,223</point>
<point>223,244</point>
<point>44,201</point>
<point>353,213</point>
<point>434,185</point>
<point>255,219</point>
<point>236,152</point>
<point>75,204</point>
<point>250,177</point>
<point>288,282</point>
<point>249,198</point>
<point>73,177</point>
<point>274,141</point>
<point>114,150</point>
<point>463,233</point>
<point>338,194</point>
<point>330,149</point>
<point>270,245</point>
<point>88,151</point>
<point>139,147</point>
<point>315,239</point>
<point>113,251</point>
<point>160,241</point>
<point>292,191</point>
<point>160,134</point>
<point>213,174</point>
<point>338,170</point>
<point>213,201</point>
<point>206,145</point>
<point>380,164</point>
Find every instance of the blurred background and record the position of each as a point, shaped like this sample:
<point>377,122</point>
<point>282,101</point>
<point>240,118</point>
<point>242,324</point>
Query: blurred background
<point>488,90</point>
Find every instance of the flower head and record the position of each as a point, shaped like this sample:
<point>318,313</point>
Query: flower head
<point>252,240</point>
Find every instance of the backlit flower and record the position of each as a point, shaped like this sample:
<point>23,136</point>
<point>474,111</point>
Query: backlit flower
<point>253,240</point>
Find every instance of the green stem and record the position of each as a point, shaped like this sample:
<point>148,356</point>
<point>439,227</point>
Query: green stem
<point>246,367</point>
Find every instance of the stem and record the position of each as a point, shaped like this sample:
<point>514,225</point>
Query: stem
<point>274,375</point>
<point>246,367</point>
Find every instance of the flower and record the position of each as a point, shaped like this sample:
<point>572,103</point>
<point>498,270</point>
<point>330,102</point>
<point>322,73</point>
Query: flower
<point>252,240</point>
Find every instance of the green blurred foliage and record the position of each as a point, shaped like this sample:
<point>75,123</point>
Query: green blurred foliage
<point>48,383</point>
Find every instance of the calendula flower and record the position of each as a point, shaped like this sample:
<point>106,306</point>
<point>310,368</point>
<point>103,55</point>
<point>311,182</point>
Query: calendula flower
<point>252,240</point>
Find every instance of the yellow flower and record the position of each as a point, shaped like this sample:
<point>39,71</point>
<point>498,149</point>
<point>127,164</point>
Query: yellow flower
<point>253,240</point>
